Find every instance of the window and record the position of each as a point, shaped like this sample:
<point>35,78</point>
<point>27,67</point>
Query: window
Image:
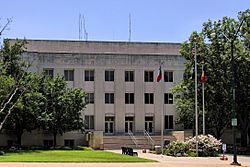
<point>69,75</point>
<point>48,72</point>
<point>47,143</point>
<point>149,98</point>
<point>109,98</point>
<point>89,122</point>
<point>109,75</point>
<point>169,122</point>
<point>89,75</point>
<point>149,76</point>
<point>90,98</point>
<point>129,76</point>
<point>129,98</point>
<point>168,98</point>
<point>69,143</point>
<point>168,76</point>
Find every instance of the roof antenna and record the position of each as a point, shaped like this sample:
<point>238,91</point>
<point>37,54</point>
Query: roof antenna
<point>80,27</point>
<point>129,28</point>
<point>84,29</point>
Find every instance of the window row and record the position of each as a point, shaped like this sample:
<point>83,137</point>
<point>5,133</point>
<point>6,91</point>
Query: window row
<point>129,98</point>
<point>67,142</point>
<point>129,123</point>
<point>89,75</point>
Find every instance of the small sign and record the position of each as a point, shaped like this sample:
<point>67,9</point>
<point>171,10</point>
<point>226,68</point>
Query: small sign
<point>224,147</point>
<point>234,121</point>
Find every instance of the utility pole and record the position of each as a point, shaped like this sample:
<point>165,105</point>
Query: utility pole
<point>234,119</point>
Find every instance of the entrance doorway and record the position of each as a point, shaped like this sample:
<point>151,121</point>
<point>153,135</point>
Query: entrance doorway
<point>109,125</point>
<point>149,122</point>
<point>129,124</point>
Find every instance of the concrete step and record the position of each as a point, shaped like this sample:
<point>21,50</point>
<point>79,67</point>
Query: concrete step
<point>116,142</point>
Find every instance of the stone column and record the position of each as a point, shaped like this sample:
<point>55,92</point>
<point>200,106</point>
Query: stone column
<point>99,113</point>
<point>119,101</point>
<point>139,101</point>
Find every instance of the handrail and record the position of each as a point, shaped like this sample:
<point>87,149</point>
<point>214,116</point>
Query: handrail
<point>133,138</point>
<point>149,138</point>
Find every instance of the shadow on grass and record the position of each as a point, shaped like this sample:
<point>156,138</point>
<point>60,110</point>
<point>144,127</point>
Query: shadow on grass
<point>22,151</point>
<point>43,149</point>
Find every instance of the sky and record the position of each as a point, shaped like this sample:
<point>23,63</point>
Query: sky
<point>108,20</point>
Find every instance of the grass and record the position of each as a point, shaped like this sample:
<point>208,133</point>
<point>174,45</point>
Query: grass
<point>68,156</point>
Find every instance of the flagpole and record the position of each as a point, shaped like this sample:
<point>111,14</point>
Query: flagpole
<point>203,103</point>
<point>196,102</point>
<point>162,120</point>
<point>162,113</point>
<point>158,79</point>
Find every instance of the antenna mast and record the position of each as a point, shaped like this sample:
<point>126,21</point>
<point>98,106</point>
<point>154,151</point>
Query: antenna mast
<point>84,29</point>
<point>129,29</point>
<point>80,27</point>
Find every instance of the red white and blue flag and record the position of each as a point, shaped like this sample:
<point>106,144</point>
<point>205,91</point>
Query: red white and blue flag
<point>193,51</point>
<point>159,75</point>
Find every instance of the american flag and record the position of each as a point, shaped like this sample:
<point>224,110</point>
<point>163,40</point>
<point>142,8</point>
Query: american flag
<point>193,51</point>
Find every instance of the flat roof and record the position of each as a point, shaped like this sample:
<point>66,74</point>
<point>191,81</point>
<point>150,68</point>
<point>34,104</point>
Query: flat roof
<point>101,47</point>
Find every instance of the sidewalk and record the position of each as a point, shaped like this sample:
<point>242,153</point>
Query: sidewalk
<point>169,161</point>
<point>163,161</point>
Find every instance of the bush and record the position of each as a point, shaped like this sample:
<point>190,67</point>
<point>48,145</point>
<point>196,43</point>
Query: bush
<point>191,153</point>
<point>175,148</point>
<point>78,148</point>
<point>207,145</point>
<point>2,153</point>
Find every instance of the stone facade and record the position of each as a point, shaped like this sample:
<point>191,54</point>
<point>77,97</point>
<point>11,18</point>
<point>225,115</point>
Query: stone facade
<point>138,59</point>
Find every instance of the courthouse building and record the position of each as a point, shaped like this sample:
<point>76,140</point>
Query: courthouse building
<point>119,79</point>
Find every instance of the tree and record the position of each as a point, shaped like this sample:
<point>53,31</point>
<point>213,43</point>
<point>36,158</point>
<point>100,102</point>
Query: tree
<point>214,50</point>
<point>226,34</point>
<point>27,110</point>
<point>63,106</point>
<point>12,76</point>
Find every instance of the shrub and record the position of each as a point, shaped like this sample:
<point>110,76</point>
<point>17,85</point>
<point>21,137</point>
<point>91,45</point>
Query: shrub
<point>175,147</point>
<point>207,145</point>
<point>191,153</point>
<point>2,153</point>
<point>78,148</point>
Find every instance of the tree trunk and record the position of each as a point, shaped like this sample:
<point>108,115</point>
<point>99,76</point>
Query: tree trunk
<point>218,134</point>
<point>19,138</point>
<point>54,137</point>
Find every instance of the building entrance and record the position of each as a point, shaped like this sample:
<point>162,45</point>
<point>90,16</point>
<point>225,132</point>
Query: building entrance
<point>129,124</point>
<point>109,125</point>
<point>149,122</point>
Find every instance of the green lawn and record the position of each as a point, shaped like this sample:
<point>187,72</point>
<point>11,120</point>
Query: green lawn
<point>68,156</point>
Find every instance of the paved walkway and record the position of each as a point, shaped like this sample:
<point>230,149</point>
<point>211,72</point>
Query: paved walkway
<point>163,161</point>
<point>169,161</point>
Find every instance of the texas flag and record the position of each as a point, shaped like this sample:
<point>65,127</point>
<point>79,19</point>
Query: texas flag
<point>159,75</point>
<point>203,76</point>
